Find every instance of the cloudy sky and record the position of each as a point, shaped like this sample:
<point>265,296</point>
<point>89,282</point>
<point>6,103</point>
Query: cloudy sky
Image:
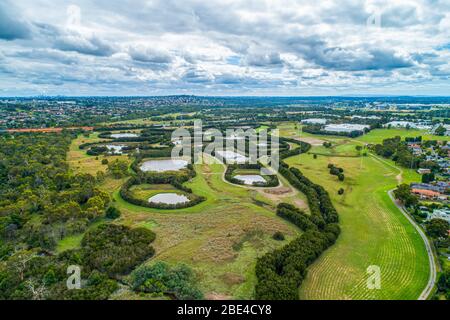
<point>226,47</point>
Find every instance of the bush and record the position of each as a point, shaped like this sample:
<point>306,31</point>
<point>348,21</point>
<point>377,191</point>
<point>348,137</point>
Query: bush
<point>112,213</point>
<point>160,279</point>
<point>279,236</point>
<point>104,161</point>
<point>115,249</point>
<point>341,191</point>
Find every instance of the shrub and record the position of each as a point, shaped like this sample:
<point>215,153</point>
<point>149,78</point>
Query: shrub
<point>160,279</point>
<point>112,213</point>
<point>279,236</point>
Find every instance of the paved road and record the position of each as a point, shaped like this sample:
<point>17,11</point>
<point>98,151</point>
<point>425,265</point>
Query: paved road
<point>432,279</point>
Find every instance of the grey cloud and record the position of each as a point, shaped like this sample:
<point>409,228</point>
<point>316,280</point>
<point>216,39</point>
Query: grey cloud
<point>149,55</point>
<point>352,60</point>
<point>11,27</point>
<point>46,55</point>
<point>193,75</point>
<point>84,45</point>
<point>263,59</point>
<point>227,45</point>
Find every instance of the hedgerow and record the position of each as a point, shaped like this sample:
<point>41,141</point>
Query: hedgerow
<point>282,271</point>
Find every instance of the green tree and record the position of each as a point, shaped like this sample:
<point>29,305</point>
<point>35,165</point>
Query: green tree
<point>118,168</point>
<point>437,228</point>
<point>403,193</point>
<point>440,131</point>
<point>428,177</point>
<point>112,213</point>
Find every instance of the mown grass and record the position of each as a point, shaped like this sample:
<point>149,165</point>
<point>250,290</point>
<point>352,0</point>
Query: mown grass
<point>374,232</point>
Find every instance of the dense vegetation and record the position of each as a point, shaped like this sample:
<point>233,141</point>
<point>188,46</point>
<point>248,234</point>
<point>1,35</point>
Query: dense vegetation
<point>315,129</point>
<point>395,149</point>
<point>161,279</point>
<point>42,202</point>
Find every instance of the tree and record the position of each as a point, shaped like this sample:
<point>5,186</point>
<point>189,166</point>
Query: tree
<point>438,228</point>
<point>95,202</point>
<point>428,177</point>
<point>118,168</point>
<point>403,193</point>
<point>440,131</point>
<point>341,191</point>
<point>160,279</point>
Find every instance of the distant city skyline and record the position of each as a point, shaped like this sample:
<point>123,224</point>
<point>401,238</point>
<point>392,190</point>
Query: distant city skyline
<point>225,48</point>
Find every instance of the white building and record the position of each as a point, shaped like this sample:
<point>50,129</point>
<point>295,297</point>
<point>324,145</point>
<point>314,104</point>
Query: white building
<point>361,117</point>
<point>314,121</point>
<point>404,124</point>
<point>346,127</point>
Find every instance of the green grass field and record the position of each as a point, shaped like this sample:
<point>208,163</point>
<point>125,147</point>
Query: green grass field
<point>374,232</point>
<point>378,135</point>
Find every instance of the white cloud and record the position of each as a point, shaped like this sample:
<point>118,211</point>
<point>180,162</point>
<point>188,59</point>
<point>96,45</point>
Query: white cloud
<point>226,46</point>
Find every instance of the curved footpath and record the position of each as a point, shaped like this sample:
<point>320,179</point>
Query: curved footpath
<point>432,279</point>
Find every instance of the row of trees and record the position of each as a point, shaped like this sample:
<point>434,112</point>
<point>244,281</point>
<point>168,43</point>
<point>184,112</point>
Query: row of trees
<point>317,129</point>
<point>282,271</point>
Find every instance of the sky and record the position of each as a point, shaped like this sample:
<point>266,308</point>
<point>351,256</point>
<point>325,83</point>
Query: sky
<point>226,47</point>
